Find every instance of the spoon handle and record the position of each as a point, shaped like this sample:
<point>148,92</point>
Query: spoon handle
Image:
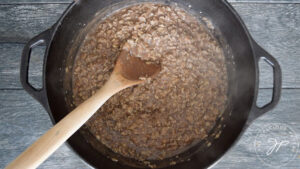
<point>42,148</point>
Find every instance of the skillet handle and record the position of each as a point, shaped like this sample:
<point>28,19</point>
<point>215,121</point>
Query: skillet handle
<point>38,94</point>
<point>260,53</point>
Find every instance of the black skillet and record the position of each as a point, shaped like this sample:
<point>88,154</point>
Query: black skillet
<point>64,38</point>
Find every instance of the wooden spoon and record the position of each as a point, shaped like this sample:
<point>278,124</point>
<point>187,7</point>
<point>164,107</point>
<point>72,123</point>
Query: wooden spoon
<point>128,71</point>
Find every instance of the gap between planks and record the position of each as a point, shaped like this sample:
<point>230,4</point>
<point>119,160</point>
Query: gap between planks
<point>33,2</point>
<point>278,29</point>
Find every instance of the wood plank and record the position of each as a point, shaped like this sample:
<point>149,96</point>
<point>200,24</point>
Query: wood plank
<point>33,1</point>
<point>19,23</point>
<point>264,1</point>
<point>23,120</point>
<point>10,57</point>
<point>275,26</point>
<point>69,1</point>
<point>244,154</point>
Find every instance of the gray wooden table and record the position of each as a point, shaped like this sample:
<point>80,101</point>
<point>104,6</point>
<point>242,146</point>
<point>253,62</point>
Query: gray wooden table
<point>275,24</point>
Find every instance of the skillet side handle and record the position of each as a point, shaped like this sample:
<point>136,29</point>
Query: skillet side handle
<point>260,53</point>
<point>38,94</point>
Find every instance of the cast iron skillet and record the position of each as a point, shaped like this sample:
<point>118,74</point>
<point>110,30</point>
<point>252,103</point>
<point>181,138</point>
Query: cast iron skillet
<point>62,41</point>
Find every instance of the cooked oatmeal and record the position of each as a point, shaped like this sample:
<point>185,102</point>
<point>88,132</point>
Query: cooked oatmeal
<point>166,114</point>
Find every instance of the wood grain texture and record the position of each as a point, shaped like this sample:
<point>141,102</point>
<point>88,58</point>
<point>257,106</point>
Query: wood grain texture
<point>243,154</point>
<point>68,1</point>
<point>274,26</point>
<point>19,23</point>
<point>286,112</point>
<point>34,1</point>
<point>23,120</point>
<point>264,1</point>
<point>10,57</point>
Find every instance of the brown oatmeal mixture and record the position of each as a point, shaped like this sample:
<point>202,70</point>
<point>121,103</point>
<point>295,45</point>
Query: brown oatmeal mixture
<point>178,107</point>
